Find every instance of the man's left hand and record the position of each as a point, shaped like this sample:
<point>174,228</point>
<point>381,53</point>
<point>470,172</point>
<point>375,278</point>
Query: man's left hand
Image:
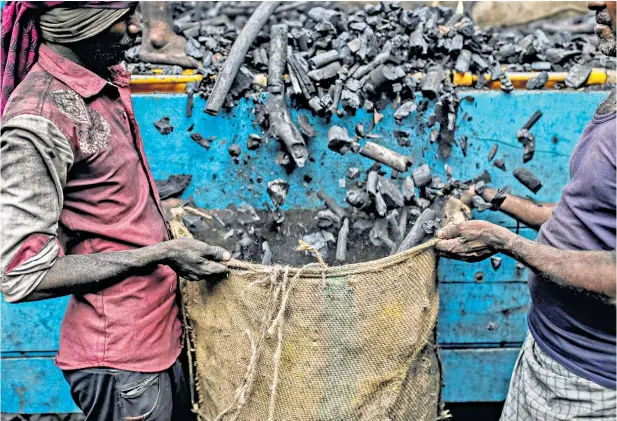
<point>472,241</point>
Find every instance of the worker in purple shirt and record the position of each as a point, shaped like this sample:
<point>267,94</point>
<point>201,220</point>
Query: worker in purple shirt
<point>566,368</point>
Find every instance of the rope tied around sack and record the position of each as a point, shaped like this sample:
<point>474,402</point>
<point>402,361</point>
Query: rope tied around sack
<point>272,323</point>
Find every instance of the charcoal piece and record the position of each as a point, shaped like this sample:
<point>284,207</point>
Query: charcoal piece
<point>195,224</point>
<point>243,81</point>
<point>328,219</point>
<point>341,243</point>
<point>193,49</point>
<point>318,241</point>
<point>379,234</point>
<point>174,186</point>
<point>417,234</point>
<point>132,54</point>
<point>336,95</point>
<point>500,196</point>
<point>434,135</point>
<point>357,197</point>
<point>323,59</point>
<point>163,126</point>
<point>305,126</point>
<point>402,222</point>
<point>358,26</point>
<point>528,179</point>
<point>234,150</point>
<point>353,173</point>
<point>430,227</point>
<point>390,193</point>
<point>448,169</point>
<point>480,204</point>
<point>431,82</point>
<point>315,104</point>
<point>496,262</point>
<point>371,183</point>
<point>379,59</point>
<point>277,190</point>
<point>463,61</point>
<point>353,85</point>
<point>380,205</point>
<point>577,76</point>
<point>319,14</point>
<point>350,100</point>
<point>354,45</point>
<point>253,142</point>
<point>541,66</point>
<point>479,63</point>
<point>338,139</point>
<point>402,137</point>
<point>326,102</point>
<point>237,54</point>
<point>201,141</point>
<point>326,72</point>
<point>266,258</point>
<point>331,204</point>
<point>360,130</point>
<point>492,152</point>
<point>385,156</point>
<point>538,82</point>
<point>247,214</point>
<point>495,71</point>
<point>479,187</point>
<point>463,144</point>
<point>281,125</point>
<point>403,111</point>
<point>525,137</point>
<point>282,158</point>
<point>422,176</point>
<point>506,83</point>
<point>417,43</point>
<point>436,183</point>
<point>500,164</point>
<point>362,225</point>
<point>397,234</point>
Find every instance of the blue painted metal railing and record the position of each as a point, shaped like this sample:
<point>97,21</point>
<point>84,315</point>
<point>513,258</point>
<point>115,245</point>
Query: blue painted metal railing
<point>482,319</point>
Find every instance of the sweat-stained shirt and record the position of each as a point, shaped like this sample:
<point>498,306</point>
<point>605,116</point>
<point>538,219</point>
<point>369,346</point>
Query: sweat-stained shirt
<point>75,180</point>
<point>573,327</point>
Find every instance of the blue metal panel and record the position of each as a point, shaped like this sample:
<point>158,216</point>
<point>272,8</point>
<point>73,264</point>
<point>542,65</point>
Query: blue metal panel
<point>35,385</point>
<point>491,313</point>
<point>496,117</point>
<point>477,375</point>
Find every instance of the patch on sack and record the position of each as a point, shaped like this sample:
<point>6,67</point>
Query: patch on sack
<point>94,131</point>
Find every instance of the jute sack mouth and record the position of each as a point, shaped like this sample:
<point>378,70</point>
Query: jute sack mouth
<point>353,342</point>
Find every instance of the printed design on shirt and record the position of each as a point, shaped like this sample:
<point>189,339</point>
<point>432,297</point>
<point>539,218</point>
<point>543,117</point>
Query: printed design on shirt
<point>71,104</point>
<point>98,134</point>
<point>94,131</point>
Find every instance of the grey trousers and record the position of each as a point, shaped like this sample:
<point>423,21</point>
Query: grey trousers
<point>106,394</point>
<point>541,389</point>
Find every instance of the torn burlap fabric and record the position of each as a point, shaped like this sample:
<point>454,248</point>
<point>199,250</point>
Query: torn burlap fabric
<point>353,342</point>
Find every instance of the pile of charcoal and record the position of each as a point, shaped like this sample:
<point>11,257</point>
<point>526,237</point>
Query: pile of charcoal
<point>330,41</point>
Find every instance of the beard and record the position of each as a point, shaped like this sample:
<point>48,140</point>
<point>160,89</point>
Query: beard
<point>607,42</point>
<point>100,53</point>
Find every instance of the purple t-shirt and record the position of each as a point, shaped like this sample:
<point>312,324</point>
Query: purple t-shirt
<point>573,327</point>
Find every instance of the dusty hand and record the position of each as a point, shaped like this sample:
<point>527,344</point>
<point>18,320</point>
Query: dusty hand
<point>195,260</point>
<point>472,241</point>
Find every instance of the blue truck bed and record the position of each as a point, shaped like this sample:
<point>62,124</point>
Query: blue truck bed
<point>482,319</point>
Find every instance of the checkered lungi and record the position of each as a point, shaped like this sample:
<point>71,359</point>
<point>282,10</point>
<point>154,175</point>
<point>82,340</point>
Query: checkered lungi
<point>543,390</point>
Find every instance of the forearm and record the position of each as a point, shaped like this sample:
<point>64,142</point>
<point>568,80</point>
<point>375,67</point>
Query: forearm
<point>524,210</point>
<point>78,274</point>
<point>593,271</point>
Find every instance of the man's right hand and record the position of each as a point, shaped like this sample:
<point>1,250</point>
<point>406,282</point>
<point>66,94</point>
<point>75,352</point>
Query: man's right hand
<point>195,260</point>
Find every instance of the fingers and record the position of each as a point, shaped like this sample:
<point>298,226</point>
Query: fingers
<point>215,253</point>
<point>449,232</point>
<point>448,247</point>
<point>214,268</point>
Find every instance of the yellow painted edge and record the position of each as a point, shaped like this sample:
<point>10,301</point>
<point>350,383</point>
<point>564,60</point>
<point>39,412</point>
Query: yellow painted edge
<point>177,83</point>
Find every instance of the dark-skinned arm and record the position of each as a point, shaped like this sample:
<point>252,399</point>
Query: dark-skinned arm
<point>79,274</point>
<point>472,241</point>
<point>524,210</point>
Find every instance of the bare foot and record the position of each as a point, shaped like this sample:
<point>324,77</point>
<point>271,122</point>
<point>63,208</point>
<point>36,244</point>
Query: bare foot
<point>159,42</point>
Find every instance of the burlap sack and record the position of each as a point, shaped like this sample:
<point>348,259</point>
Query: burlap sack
<point>352,342</point>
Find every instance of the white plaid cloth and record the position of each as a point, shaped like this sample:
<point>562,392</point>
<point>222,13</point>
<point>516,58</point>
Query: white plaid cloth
<point>541,389</point>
